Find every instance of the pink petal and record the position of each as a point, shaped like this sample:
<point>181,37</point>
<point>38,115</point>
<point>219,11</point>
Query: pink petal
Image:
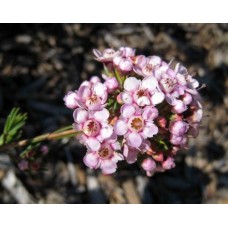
<point>126,98</point>
<point>84,92</point>
<point>97,53</point>
<point>71,100</point>
<point>106,131</point>
<point>91,160</point>
<point>116,146</point>
<point>140,61</point>
<point>154,60</point>
<point>94,79</point>
<point>157,98</point>
<point>108,166</point>
<point>142,101</point>
<point>150,130</point>
<point>102,115</point>
<point>135,139</point>
<point>150,113</point>
<point>130,154</point>
<point>148,164</point>
<point>131,84</point>
<point>149,83</point>
<point>120,127</point>
<point>127,111</point>
<point>93,144</point>
<point>99,89</point>
<point>80,115</point>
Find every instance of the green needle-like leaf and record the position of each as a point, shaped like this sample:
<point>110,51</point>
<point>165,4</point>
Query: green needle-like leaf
<point>12,129</point>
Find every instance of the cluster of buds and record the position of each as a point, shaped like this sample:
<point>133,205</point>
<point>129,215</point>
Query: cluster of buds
<point>145,111</point>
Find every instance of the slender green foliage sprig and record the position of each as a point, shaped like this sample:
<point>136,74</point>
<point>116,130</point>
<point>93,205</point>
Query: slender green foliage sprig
<point>13,126</point>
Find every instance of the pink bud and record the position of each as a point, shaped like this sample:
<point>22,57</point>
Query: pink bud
<point>70,100</point>
<point>168,163</point>
<point>187,98</point>
<point>178,128</point>
<point>127,52</point>
<point>179,107</point>
<point>158,156</point>
<point>161,122</point>
<point>111,84</point>
<point>177,140</point>
<point>94,79</point>
<point>44,149</point>
<point>126,65</point>
<point>23,165</point>
<point>149,166</point>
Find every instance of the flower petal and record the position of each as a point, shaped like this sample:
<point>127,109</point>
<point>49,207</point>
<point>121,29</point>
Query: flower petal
<point>150,130</point>
<point>108,166</point>
<point>142,101</point>
<point>130,154</point>
<point>91,160</point>
<point>84,92</point>
<point>126,98</point>
<point>120,127</point>
<point>149,83</point>
<point>99,89</point>
<point>106,131</point>
<point>102,115</point>
<point>93,144</point>
<point>131,84</point>
<point>127,110</point>
<point>157,98</point>
<point>80,115</point>
<point>134,139</point>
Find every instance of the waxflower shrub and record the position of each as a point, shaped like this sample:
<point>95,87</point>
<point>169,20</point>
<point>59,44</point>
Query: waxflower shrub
<point>142,110</point>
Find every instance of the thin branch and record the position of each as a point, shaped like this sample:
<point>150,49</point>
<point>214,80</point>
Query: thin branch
<point>40,138</point>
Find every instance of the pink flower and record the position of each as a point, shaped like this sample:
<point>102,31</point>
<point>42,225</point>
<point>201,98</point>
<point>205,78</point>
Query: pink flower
<point>107,55</point>
<point>105,158</point>
<point>145,66</point>
<point>141,92</point>
<point>91,96</point>
<point>94,127</point>
<point>149,166</point>
<point>134,125</point>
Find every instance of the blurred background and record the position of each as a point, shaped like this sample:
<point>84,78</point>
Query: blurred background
<point>39,63</point>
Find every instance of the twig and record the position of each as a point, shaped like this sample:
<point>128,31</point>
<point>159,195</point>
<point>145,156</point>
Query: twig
<point>40,138</point>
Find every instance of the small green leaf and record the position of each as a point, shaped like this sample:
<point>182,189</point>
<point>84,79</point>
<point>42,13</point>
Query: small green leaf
<point>12,129</point>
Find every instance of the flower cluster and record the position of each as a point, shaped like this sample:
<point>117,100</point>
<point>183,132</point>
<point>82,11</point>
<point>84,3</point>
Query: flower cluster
<point>145,111</point>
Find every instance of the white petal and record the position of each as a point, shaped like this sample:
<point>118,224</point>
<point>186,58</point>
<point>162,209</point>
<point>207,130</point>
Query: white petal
<point>131,84</point>
<point>120,127</point>
<point>80,115</point>
<point>157,98</point>
<point>149,83</point>
<point>102,115</point>
<point>93,144</point>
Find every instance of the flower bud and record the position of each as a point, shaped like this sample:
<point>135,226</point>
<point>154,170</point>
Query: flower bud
<point>126,65</point>
<point>178,128</point>
<point>70,100</point>
<point>111,84</point>
<point>168,163</point>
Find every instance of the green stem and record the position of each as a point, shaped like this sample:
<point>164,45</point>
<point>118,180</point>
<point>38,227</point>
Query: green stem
<point>40,138</point>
